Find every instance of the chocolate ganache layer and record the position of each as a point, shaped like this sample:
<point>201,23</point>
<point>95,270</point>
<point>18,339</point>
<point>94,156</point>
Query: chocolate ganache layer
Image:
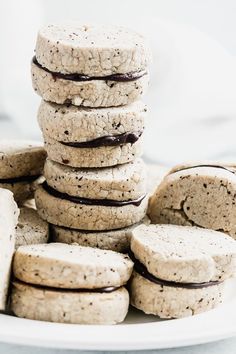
<point>87,201</point>
<point>19,179</point>
<point>109,140</point>
<point>107,289</point>
<point>142,270</point>
<point>132,76</point>
<point>214,166</point>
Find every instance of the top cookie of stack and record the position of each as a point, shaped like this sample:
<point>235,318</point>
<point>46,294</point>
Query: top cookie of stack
<point>93,66</point>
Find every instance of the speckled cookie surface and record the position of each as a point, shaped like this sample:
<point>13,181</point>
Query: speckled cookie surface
<point>76,124</point>
<point>51,305</point>
<point>21,158</point>
<point>22,191</point>
<point>201,196</point>
<point>92,50</point>
<point>31,229</point>
<point>115,240</point>
<point>170,302</point>
<point>71,266</point>
<point>8,220</point>
<point>184,254</point>
<point>104,156</point>
<point>92,93</point>
<point>63,212</point>
<point>124,182</point>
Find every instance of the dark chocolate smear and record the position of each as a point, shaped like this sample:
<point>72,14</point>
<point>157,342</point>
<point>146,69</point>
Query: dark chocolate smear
<point>19,179</point>
<point>107,289</point>
<point>109,140</point>
<point>132,76</point>
<point>142,270</point>
<point>87,201</point>
<point>215,166</point>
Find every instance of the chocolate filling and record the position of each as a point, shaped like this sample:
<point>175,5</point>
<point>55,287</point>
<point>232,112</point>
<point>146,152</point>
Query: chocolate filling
<point>109,140</point>
<point>215,166</point>
<point>19,179</point>
<point>142,270</point>
<point>132,76</point>
<point>107,289</point>
<point>87,201</point>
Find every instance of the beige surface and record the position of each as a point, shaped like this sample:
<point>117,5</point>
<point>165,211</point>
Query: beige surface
<point>69,306</point>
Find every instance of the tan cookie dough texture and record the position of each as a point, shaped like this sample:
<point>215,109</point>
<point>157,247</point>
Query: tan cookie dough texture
<point>63,212</point>
<point>124,182</point>
<point>92,93</point>
<point>184,254</point>
<point>31,229</point>
<point>115,240</point>
<point>69,306</point>
<point>8,221</point>
<point>201,196</point>
<point>77,124</point>
<point>91,50</point>
<point>21,158</point>
<point>104,156</point>
<point>170,302</point>
<point>71,266</point>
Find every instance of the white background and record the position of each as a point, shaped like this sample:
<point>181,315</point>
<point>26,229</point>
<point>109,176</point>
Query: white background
<point>192,96</point>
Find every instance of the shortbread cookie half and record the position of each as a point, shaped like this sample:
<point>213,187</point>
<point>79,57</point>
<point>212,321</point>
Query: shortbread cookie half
<point>69,306</point>
<point>88,214</point>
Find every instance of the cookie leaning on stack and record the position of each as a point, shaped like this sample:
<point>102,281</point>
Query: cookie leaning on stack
<point>201,195</point>
<point>70,284</point>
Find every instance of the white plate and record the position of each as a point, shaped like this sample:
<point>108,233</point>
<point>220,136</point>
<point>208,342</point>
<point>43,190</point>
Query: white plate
<point>139,331</point>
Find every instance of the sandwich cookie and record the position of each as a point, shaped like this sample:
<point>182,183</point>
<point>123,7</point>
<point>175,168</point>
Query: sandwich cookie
<point>93,66</point>
<point>179,270</point>
<point>31,229</point>
<point>95,199</point>
<point>115,240</point>
<point>21,164</point>
<point>8,220</point>
<point>71,284</point>
<point>84,137</point>
<point>201,195</point>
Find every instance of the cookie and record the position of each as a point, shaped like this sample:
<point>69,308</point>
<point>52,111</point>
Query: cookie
<point>103,156</point>
<point>88,214</point>
<point>95,66</point>
<point>21,164</point>
<point>124,182</point>
<point>31,229</point>
<point>54,305</point>
<point>180,270</point>
<point>115,240</point>
<point>92,127</point>
<point>71,266</point>
<point>8,220</point>
<point>200,195</point>
<point>70,284</point>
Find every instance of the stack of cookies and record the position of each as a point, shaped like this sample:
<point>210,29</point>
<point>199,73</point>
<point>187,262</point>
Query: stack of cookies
<point>91,79</point>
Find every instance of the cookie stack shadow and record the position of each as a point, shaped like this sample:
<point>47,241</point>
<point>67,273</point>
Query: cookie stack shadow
<point>92,119</point>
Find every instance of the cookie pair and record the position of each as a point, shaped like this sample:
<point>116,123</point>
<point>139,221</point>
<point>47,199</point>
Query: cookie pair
<point>180,271</point>
<point>21,165</point>
<point>96,207</point>
<point>89,65</point>
<point>201,194</point>
<point>70,284</point>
